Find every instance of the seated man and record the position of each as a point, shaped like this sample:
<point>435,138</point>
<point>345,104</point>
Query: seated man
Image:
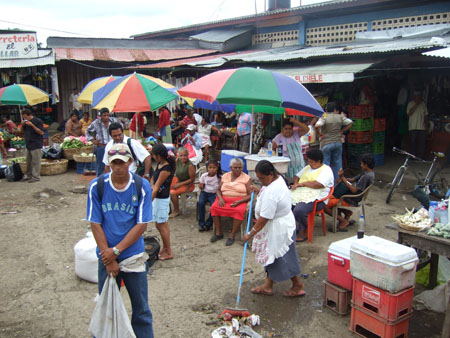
<point>345,187</point>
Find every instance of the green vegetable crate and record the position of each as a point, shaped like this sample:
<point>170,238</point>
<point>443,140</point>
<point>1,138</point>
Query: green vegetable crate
<point>362,124</point>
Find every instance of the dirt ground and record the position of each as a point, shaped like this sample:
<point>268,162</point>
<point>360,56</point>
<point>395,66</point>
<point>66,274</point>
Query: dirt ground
<point>40,295</point>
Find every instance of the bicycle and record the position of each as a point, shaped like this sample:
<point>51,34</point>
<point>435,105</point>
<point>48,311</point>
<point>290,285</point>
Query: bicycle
<point>434,182</point>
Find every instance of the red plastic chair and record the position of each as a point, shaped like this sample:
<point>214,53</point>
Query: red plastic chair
<point>312,214</point>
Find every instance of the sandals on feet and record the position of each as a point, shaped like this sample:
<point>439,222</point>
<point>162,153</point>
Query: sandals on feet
<point>290,293</point>
<point>215,238</point>
<point>260,291</point>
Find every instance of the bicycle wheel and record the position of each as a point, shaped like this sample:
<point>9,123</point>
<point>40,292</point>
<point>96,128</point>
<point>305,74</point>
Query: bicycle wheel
<point>397,179</point>
<point>438,184</point>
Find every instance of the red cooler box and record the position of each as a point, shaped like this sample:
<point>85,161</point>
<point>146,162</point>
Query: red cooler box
<point>339,262</point>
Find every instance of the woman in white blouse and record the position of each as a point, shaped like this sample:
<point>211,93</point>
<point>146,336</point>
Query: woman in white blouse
<point>274,233</point>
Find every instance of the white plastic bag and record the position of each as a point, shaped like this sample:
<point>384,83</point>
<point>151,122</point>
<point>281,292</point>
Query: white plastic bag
<point>86,261</point>
<point>110,318</point>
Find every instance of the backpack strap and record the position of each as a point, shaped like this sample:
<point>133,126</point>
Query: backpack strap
<point>131,149</point>
<point>101,186</point>
<point>138,184</point>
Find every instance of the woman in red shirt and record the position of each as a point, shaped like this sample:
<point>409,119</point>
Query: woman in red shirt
<point>164,125</point>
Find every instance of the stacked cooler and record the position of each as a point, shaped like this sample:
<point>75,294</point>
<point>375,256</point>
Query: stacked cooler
<point>361,136</point>
<point>383,275</point>
<point>338,287</point>
<point>379,136</point>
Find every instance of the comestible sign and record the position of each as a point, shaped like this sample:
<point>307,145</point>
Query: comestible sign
<point>18,46</point>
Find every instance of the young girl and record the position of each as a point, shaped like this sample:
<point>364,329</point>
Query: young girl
<point>160,181</point>
<point>209,182</point>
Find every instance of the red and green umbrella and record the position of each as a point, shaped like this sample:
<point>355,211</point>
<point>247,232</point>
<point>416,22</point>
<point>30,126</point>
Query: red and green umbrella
<point>134,93</point>
<point>22,95</point>
<point>255,89</point>
<point>92,86</point>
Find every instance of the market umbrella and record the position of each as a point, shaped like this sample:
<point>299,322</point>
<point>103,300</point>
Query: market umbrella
<point>93,85</point>
<point>253,88</point>
<point>22,95</point>
<point>134,93</point>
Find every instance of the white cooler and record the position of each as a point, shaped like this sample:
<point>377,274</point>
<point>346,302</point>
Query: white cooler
<point>339,262</point>
<point>279,162</point>
<point>385,264</point>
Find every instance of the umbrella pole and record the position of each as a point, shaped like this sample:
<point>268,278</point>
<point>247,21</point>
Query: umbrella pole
<point>251,130</point>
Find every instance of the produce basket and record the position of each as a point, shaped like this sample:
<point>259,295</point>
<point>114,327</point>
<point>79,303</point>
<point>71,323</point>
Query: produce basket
<point>48,167</point>
<point>70,152</point>
<point>84,159</point>
<point>57,138</point>
<point>408,227</point>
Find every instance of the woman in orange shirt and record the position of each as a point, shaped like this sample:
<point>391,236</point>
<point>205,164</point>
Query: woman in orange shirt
<point>232,197</point>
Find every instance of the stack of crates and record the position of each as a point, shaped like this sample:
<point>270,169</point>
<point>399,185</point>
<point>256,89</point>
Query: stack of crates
<point>378,140</point>
<point>361,136</point>
<point>383,275</point>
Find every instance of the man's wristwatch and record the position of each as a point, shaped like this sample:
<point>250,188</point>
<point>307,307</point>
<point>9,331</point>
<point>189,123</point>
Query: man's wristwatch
<point>146,175</point>
<point>116,251</point>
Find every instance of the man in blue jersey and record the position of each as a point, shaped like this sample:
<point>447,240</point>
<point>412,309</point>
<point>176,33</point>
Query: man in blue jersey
<point>119,215</point>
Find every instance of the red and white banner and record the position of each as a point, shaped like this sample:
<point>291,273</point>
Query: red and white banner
<point>18,46</point>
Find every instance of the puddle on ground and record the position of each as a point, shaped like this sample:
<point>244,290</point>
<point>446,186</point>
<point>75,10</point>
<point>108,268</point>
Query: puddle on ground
<point>277,313</point>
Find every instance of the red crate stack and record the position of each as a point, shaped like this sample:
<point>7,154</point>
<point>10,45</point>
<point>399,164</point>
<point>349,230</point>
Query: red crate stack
<point>376,311</point>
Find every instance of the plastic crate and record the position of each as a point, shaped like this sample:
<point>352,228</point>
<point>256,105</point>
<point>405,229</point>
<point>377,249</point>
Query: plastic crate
<point>362,124</point>
<point>379,159</point>
<point>359,149</point>
<point>361,112</point>
<point>336,298</point>
<point>366,325</point>
<point>389,306</point>
<point>378,148</point>
<point>17,144</point>
<point>379,136</point>
<point>360,137</point>
<point>86,166</point>
<point>380,124</point>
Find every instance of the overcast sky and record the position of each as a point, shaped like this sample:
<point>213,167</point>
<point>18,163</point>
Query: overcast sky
<point>119,19</point>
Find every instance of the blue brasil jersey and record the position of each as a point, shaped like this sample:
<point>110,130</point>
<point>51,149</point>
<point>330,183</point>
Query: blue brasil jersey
<point>119,211</point>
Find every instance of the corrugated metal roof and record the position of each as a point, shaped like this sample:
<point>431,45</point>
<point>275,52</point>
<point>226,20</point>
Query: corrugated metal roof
<point>241,18</point>
<point>220,35</point>
<point>297,52</point>
<point>46,57</point>
<point>177,63</point>
<point>329,68</point>
<point>107,43</point>
<point>126,55</point>
<point>442,53</point>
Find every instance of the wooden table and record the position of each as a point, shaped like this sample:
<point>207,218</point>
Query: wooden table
<point>436,246</point>
<point>420,240</point>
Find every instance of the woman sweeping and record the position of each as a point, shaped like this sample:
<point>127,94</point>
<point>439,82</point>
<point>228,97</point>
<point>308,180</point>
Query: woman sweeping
<point>274,233</point>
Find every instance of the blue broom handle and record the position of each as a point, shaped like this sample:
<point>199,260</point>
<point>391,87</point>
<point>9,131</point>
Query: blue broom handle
<point>238,298</point>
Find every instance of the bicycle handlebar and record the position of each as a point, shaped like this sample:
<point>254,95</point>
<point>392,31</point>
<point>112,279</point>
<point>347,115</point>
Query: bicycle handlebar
<point>403,152</point>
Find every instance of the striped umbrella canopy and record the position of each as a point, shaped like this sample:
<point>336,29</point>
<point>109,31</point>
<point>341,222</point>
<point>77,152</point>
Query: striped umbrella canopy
<point>255,88</point>
<point>22,94</point>
<point>134,93</point>
<point>93,85</point>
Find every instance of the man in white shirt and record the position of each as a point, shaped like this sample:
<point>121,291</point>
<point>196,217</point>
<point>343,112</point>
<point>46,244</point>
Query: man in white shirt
<point>140,154</point>
<point>417,112</point>
<point>76,106</point>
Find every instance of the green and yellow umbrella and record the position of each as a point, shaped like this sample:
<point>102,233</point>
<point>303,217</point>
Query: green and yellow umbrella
<point>22,95</point>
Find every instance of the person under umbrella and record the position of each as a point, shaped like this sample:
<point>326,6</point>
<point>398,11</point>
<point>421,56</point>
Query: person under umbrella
<point>274,233</point>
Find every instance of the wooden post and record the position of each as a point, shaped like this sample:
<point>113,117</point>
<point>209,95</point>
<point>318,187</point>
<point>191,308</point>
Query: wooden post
<point>446,325</point>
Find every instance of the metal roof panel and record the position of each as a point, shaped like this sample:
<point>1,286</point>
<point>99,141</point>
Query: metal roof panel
<point>125,55</point>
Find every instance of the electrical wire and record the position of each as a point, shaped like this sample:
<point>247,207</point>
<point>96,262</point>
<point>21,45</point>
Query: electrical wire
<point>102,68</point>
<point>49,29</point>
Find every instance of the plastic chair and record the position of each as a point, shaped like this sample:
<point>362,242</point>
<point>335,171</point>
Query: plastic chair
<point>359,204</point>
<point>193,194</point>
<point>313,213</point>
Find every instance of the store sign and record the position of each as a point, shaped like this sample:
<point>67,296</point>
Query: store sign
<point>18,46</point>
<point>324,78</point>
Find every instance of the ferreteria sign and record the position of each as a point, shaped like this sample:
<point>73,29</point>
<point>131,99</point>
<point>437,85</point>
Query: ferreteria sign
<point>18,46</point>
